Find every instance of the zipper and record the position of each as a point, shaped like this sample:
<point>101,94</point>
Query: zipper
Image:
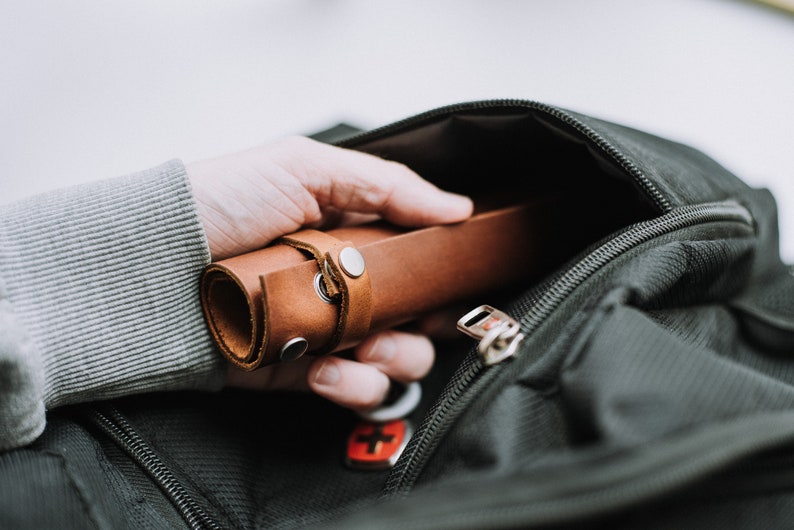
<point>482,365</point>
<point>115,425</point>
<point>604,145</point>
<point>498,333</point>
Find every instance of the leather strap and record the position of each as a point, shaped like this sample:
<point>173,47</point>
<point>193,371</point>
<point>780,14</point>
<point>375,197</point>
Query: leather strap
<point>352,293</point>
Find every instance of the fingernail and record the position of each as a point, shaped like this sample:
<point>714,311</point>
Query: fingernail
<point>328,374</point>
<point>382,351</point>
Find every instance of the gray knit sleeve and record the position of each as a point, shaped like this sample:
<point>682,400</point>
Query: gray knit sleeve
<point>99,297</point>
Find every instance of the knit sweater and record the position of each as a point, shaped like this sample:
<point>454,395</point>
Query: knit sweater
<point>99,297</point>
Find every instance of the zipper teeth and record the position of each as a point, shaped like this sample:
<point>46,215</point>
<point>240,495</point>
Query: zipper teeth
<point>410,463</point>
<point>640,233</point>
<point>473,375</point>
<point>116,426</point>
<point>602,143</point>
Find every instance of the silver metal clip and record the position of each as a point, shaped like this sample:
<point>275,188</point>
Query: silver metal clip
<point>499,334</point>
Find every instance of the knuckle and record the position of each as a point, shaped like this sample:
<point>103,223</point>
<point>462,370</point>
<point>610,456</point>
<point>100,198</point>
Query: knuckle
<point>296,142</point>
<point>400,169</point>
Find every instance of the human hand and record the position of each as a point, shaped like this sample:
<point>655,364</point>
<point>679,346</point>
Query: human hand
<point>247,199</point>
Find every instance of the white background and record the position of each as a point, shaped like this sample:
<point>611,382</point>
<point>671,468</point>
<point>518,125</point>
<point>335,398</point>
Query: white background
<point>92,89</point>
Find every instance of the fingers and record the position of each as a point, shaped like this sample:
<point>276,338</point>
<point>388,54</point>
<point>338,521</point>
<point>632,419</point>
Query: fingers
<point>363,384</point>
<point>401,356</point>
<point>348,383</point>
<point>247,199</point>
<point>359,384</point>
<point>353,181</point>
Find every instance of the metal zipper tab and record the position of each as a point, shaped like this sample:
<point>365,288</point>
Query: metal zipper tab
<point>499,334</point>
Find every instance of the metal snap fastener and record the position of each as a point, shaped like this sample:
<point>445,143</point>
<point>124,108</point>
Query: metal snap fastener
<point>352,262</point>
<point>320,289</point>
<point>293,349</point>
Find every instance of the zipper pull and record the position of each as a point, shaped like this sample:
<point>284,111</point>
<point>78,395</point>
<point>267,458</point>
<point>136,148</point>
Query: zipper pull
<point>499,334</point>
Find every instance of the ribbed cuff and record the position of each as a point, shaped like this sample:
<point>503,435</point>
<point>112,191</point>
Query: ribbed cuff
<point>21,381</point>
<point>104,279</point>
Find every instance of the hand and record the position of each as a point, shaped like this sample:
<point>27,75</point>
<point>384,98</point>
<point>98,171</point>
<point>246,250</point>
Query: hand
<point>247,199</point>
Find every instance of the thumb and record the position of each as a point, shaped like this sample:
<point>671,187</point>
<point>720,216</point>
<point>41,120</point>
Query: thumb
<point>352,181</point>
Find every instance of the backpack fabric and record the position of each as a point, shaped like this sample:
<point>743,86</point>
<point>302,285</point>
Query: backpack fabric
<point>652,385</point>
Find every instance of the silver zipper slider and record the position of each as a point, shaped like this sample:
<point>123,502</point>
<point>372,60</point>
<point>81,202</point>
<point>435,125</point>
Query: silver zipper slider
<point>499,334</point>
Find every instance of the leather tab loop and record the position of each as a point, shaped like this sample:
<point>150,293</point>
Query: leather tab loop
<point>353,295</point>
<point>316,244</point>
<point>355,313</point>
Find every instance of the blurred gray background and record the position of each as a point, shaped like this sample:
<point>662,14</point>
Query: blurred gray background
<point>92,89</point>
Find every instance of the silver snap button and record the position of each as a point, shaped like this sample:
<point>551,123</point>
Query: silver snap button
<point>352,262</point>
<point>293,349</point>
<point>320,289</point>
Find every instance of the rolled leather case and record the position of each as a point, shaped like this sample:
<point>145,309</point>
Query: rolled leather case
<point>320,292</point>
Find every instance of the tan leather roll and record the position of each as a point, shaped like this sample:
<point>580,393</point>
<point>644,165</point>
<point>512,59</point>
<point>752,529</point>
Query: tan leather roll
<point>320,292</point>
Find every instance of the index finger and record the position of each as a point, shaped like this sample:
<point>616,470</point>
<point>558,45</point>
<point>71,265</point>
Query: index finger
<point>359,182</point>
